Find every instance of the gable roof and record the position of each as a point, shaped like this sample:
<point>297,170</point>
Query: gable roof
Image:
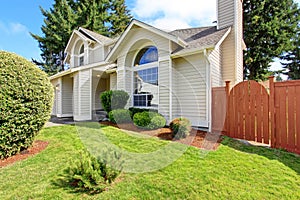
<point>148,27</point>
<point>74,33</point>
<point>199,38</point>
<point>96,36</point>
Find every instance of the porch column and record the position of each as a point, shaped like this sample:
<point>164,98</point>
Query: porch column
<point>83,95</point>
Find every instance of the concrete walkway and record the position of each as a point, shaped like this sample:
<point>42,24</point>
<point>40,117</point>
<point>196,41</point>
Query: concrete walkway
<point>54,121</point>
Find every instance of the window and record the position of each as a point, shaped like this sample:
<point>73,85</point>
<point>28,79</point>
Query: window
<point>81,55</point>
<point>146,78</point>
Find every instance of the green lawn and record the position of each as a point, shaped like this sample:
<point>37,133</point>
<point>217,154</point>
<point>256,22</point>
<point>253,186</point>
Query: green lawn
<point>155,169</point>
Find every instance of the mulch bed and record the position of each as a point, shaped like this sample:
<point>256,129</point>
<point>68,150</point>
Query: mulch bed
<point>37,147</point>
<point>197,138</point>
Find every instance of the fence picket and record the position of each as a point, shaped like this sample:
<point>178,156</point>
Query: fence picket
<point>252,114</point>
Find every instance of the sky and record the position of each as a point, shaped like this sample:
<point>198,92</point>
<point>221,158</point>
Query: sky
<point>20,17</point>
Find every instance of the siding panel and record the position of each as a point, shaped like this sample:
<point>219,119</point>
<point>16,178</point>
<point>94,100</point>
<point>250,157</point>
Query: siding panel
<point>190,89</point>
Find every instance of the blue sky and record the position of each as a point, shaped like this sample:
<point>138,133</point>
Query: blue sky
<point>19,17</point>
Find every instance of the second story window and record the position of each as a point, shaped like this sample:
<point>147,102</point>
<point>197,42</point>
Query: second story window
<point>81,55</point>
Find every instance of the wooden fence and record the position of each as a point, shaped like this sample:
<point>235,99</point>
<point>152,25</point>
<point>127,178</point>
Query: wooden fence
<point>248,111</point>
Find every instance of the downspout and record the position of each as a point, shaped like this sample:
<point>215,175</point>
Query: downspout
<point>208,97</point>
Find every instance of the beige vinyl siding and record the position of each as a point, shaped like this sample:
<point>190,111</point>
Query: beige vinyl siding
<point>67,96</point>
<point>164,88</point>
<point>76,95</point>
<point>96,54</point>
<point>99,87</point>
<point>82,96</point>
<point>190,89</point>
<point>128,86</point>
<point>113,81</point>
<point>120,80</point>
<point>239,42</point>
<point>225,13</point>
<point>136,39</point>
<point>228,58</point>
<point>85,93</point>
<point>215,65</point>
<point>57,96</point>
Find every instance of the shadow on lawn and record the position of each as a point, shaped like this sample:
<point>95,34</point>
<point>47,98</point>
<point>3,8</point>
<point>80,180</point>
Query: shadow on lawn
<point>291,160</point>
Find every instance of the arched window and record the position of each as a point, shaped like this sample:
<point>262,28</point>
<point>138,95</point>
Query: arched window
<point>81,55</point>
<point>146,55</point>
<point>146,78</point>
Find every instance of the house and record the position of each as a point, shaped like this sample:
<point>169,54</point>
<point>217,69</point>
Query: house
<point>171,71</point>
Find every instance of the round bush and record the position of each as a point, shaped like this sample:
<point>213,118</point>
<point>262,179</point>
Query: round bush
<point>149,120</point>
<point>120,116</point>
<point>180,127</point>
<point>114,99</point>
<point>26,97</point>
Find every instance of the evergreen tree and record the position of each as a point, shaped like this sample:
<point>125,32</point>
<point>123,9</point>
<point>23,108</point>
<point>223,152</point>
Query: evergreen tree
<point>59,23</point>
<point>119,17</point>
<point>292,59</point>
<point>106,17</point>
<point>269,26</point>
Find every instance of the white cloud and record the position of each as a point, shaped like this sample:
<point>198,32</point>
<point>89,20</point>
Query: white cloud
<point>13,28</point>
<point>172,14</point>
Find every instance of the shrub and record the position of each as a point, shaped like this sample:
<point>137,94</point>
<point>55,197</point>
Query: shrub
<point>26,97</point>
<point>180,127</point>
<point>114,99</point>
<point>94,175</point>
<point>149,120</point>
<point>120,116</point>
<point>134,110</point>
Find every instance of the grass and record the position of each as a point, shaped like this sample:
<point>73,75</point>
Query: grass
<point>163,170</point>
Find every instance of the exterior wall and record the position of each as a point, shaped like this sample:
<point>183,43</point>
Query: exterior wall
<point>99,86</point>
<point>66,97</point>
<point>190,89</point>
<point>164,82</point>
<point>230,13</point>
<point>113,81</point>
<point>83,95</point>
<point>225,14</point>
<point>96,54</point>
<point>228,58</point>
<point>239,40</point>
<point>57,96</point>
<point>215,65</point>
<point>136,39</point>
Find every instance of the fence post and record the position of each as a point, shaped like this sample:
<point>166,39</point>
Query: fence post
<point>227,89</point>
<point>272,110</point>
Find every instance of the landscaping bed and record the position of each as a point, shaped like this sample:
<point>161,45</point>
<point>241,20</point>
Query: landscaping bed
<point>37,147</point>
<point>196,137</point>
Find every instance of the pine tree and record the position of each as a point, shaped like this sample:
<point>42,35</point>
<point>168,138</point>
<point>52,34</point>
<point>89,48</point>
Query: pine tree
<point>106,17</point>
<point>59,24</point>
<point>119,17</point>
<point>292,59</point>
<point>269,26</point>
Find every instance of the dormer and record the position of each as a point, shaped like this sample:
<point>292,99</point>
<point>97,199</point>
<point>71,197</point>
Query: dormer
<point>86,47</point>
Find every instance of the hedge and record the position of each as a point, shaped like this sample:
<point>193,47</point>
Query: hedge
<point>26,97</point>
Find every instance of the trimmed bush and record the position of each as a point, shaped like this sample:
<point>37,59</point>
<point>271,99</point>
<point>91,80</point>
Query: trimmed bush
<point>134,110</point>
<point>94,175</point>
<point>149,120</point>
<point>114,99</point>
<point>180,127</point>
<point>120,116</point>
<point>26,97</point>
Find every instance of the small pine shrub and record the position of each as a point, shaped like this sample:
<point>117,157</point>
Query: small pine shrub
<point>88,173</point>
<point>134,110</point>
<point>26,97</point>
<point>180,127</point>
<point>149,120</point>
<point>120,116</point>
<point>114,99</point>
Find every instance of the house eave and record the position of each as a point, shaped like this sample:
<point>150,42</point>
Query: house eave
<point>192,51</point>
